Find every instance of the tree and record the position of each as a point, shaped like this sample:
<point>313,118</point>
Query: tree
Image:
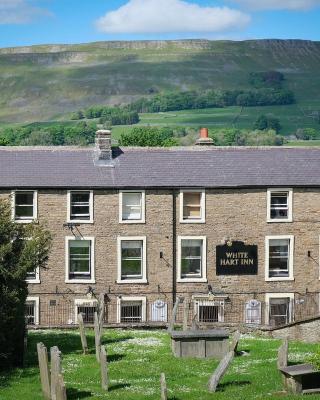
<point>148,136</point>
<point>22,249</point>
<point>264,122</point>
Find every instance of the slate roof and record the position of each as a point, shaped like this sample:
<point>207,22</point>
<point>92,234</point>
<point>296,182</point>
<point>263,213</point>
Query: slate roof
<point>205,167</point>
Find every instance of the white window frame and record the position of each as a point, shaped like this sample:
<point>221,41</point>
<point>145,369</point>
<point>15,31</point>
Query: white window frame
<point>35,207</point>
<point>143,299</point>
<point>204,259</point>
<point>144,259</point>
<point>36,301</point>
<point>201,220</point>
<point>37,278</point>
<point>80,221</point>
<point>290,204</point>
<point>92,259</point>
<point>83,302</point>
<point>278,296</point>
<point>210,303</point>
<point>143,207</point>
<point>290,277</point>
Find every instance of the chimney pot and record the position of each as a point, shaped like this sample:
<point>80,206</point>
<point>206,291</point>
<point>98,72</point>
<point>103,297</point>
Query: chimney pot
<point>204,133</point>
<point>204,138</point>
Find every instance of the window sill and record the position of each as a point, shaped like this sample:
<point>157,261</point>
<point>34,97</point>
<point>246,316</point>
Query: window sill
<point>33,281</point>
<point>279,279</point>
<point>279,220</point>
<point>192,221</point>
<point>138,221</point>
<point>80,281</point>
<point>195,280</point>
<point>25,221</point>
<point>139,281</point>
<point>80,221</point>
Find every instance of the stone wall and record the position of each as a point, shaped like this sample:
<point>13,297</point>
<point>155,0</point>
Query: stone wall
<point>239,214</point>
<point>307,330</point>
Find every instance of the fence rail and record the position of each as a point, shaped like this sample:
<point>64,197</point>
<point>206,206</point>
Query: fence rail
<point>231,310</point>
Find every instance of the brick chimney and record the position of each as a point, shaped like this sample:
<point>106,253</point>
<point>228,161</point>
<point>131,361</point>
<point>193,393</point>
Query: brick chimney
<point>103,145</point>
<point>204,138</point>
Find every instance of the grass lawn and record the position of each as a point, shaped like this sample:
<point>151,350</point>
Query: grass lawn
<point>136,359</point>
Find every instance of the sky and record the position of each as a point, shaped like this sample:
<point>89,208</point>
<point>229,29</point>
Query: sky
<point>29,22</point>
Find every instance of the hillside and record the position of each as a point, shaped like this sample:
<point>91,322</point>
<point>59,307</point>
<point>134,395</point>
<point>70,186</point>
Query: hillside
<point>39,83</point>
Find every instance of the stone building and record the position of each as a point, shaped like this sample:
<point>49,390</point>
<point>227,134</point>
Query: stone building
<point>235,231</point>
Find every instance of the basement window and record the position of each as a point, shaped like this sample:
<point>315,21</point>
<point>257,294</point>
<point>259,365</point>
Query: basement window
<point>279,257</point>
<point>131,309</point>
<point>87,308</point>
<point>279,205</point>
<point>209,311</point>
<point>280,308</point>
<point>132,206</point>
<point>24,206</point>
<point>80,206</point>
<point>192,206</point>
<point>80,260</point>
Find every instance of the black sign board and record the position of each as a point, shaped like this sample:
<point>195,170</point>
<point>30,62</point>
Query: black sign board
<point>237,258</point>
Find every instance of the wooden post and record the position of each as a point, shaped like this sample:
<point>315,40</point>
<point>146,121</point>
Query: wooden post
<point>82,334</point>
<point>185,314</point>
<point>44,370</point>
<point>235,342</point>
<point>283,354</point>
<point>220,371</point>
<point>174,313</point>
<point>163,385</point>
<point>104,369</point>
<point>61,393</point>
<point>195,325</point>
<point>97,336</point>
<point>101,312</point>
<point>55,370</point>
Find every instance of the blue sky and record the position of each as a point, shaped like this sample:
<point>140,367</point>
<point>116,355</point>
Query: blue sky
<point>26,22</point>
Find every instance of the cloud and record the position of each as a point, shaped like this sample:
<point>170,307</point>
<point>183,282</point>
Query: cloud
<point>170,16</point>
<point>19,12</point>
<point>294,5</point>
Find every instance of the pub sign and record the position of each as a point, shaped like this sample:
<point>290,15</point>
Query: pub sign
<point>237,258</point>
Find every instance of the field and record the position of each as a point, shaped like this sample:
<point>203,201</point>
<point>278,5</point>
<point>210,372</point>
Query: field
<point>136,359</point>
<point>43,82</point>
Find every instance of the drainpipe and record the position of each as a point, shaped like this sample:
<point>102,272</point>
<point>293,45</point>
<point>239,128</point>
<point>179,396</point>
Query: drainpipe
<point>174,246</point>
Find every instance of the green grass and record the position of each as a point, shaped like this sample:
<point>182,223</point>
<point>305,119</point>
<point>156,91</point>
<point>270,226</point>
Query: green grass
<point>136,359</point>
<point>291,117</point>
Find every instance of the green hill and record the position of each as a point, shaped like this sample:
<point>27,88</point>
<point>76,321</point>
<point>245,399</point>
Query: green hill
<point>41,83</point>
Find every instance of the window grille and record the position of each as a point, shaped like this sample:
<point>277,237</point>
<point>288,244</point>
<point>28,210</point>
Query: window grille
<point>130,311</point>
<point>87,312</point>
<point>210,311</point>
